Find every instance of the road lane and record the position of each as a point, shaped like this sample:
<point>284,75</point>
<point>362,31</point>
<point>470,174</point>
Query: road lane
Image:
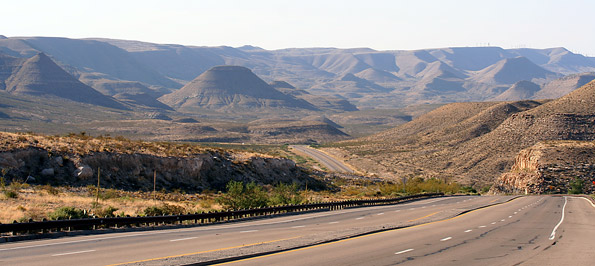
<point>308,228</point>
<point>329,162</point>
<point>515,233</point>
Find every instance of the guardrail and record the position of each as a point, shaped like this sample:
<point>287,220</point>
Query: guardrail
<point>197,218</point>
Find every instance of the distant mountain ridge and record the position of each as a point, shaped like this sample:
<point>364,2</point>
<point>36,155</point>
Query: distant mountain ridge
<point>410,77</point>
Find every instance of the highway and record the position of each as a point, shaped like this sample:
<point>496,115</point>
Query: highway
<point>525,231</point>
<point>229,240</point>
<point>329,162</point>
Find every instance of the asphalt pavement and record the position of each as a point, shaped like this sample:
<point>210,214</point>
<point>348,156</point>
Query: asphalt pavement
<point>231,240</point>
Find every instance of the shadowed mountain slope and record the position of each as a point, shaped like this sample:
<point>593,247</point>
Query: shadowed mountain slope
<point>327,103</point>
<point>521,90</point>
<point>562,86</point>
<point>511,70</point>
<point>40,76</point>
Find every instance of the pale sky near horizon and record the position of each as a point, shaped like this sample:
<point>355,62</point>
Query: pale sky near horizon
<point>270,24</point>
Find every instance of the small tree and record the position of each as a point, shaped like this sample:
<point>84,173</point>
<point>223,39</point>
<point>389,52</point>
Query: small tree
<point>576,186</point>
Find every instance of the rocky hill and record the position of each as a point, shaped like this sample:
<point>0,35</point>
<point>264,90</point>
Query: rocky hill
<point>550,167</point>
<point>231,88</point>
<point>473,142</point>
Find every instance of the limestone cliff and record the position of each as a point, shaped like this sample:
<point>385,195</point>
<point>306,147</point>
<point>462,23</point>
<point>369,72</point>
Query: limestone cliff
<point>550,167</point>
<point>75,162</point>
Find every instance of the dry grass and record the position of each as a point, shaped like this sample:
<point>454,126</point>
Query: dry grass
<point>36,202</point>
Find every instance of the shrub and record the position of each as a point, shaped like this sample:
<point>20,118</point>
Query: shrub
<point>576,186</point>
<point>11,194</point>
<point>164,209</point>
<point>240,196</point>
<point>64,213</point>
<point>284,194</point>
<point>51,190</point>
<point>106,212</point>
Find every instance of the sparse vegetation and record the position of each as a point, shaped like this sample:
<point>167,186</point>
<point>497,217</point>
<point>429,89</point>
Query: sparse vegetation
<point>576,186</point>
<point>164,209</point>
<point>64,213</point>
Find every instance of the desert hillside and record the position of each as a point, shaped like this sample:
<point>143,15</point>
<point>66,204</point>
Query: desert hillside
<point>472,142</point>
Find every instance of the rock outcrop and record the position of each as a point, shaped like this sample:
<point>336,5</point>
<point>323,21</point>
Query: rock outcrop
<point>132,165</point>
<point>550,167</point>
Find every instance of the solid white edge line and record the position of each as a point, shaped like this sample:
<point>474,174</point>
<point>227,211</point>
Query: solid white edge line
<point>553,235</point>
<point>403,251</point>
<point>586,200</point>
<point>182,239</point>
<point>72,253</point>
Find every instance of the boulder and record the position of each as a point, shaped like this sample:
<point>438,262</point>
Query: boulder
<point>59,161</point>
<point>83,172</point>
<point>48,172</point>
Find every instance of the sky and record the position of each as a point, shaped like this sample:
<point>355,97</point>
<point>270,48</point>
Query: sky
<point>278,24</point>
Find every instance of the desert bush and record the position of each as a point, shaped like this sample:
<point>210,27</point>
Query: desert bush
<point>64,213</point>
<point>468,189</point>
<point>240,196</point>
<point>164,209</point>
<point>11,194</point>
<point>106,212</point>
<point>576,186</point>
<point>284,194</point>
<point>50,190</point>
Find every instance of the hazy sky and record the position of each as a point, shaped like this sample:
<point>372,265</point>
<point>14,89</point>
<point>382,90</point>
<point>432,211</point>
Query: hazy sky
<point>378,24</point>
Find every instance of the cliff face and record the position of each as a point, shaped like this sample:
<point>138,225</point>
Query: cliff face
<point>550,167</point>
<point>73,162</point>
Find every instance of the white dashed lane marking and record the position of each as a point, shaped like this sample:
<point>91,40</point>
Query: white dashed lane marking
<point>467,231</point>
<point>182,239</point>
<point>72,253</point>
<point>403,251</point>
<point>446,238</point>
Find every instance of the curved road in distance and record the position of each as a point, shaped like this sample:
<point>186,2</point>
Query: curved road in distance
<point>331,163</point>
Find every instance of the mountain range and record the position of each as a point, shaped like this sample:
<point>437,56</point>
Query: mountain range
<point>365,77</point>
<point>230,94</point>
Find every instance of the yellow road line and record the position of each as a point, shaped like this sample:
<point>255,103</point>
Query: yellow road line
<point>423,217</point>
<point>362,236</point>
<point>206,251</point>
<point>493,201</point>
